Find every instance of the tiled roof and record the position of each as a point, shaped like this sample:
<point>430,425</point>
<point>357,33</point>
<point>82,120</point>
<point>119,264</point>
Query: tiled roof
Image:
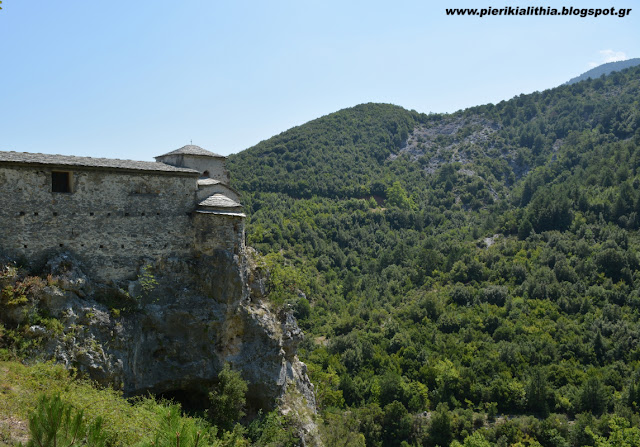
<point>107,163</point>
<point>191,149</point>
<point>219,201</point>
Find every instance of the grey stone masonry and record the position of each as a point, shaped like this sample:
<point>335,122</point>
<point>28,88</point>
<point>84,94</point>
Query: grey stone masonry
<point>114,215</point>
<point>209,165</point>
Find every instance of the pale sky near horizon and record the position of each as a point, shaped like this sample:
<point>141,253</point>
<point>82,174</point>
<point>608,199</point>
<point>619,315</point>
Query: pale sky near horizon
<point>141,78</point>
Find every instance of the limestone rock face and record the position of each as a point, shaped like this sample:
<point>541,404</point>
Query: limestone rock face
<point>172,330</point>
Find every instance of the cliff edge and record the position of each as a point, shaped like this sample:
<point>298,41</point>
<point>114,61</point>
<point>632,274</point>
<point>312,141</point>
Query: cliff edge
<point>169,332</point>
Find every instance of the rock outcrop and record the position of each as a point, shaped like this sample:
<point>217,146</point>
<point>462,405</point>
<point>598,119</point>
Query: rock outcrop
<point>171,330</point>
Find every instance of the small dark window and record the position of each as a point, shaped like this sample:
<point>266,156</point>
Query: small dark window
<point>60,181</point>
<point>205,174</point>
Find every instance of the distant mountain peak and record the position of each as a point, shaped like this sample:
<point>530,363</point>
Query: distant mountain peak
<point>605,69</point>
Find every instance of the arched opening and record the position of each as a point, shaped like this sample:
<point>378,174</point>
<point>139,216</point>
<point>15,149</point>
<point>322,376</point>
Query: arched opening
<point>205,174</point>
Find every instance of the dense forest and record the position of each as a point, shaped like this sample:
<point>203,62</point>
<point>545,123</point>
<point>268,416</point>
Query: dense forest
<point>467,279</point>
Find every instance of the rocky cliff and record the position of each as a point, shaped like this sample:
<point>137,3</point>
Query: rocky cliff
<point>168,332</point>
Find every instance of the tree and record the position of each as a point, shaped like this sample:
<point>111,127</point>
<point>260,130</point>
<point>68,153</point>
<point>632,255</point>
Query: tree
<point>227,398</point>
<point>632,396</point>
<point>397,196</point>
<point>525,228</point>
<point>55,422</point>
<point>342,429</point>
<point>599,347</point>
<point>272,429</point>
<point>537,393</point>
<point>474,440</point>
<point>397,424</point>
<point>176,430</point>
<point>593,396</point>
<point>621,434</point>
<point>391,388</point>
<point>440,427</point>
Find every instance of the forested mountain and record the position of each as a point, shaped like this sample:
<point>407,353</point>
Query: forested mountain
<point>468,279</point>
<point>605,69</point>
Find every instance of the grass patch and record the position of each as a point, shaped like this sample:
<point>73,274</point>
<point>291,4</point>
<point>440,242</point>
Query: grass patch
<point>125,423</point>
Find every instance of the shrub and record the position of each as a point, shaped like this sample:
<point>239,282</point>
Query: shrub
<point>55,422</point>
<point>177,430</point>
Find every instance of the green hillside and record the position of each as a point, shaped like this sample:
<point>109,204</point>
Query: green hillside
<point>328,157</point>
<point>469,278</point>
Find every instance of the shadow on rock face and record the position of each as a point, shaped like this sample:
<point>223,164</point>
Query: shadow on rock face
<point>170,331</point>
<point>192,400</point>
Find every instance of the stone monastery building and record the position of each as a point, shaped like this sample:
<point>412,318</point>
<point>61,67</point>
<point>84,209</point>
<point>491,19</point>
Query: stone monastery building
<point>116,215</point>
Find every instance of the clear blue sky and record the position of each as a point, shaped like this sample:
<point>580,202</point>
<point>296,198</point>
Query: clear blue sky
<point>140,78</point>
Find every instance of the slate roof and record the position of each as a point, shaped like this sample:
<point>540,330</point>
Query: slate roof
<point>221,213</point>
<point>91,162</point>
<point>219,201</point>
<point>208,181</point>
<point>192,149</point>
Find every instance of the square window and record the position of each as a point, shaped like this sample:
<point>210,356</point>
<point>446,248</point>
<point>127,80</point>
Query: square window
<point>60,181</point>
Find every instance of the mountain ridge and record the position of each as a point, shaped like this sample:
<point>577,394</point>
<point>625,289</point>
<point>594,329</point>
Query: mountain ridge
<point>604,69</point>
<point>343,154</point>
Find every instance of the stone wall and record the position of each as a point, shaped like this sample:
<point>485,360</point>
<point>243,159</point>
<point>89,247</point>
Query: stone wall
<point>112,220</point>
<point>218,231</point>
<point>206,191</point>
<point>213,165</point>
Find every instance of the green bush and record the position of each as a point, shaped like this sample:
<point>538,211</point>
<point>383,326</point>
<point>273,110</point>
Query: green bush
<point>227,398</point>
<point>176,430</point>
<point>56,423</point>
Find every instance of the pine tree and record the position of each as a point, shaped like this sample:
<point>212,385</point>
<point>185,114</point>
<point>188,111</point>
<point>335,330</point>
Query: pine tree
<point>56,423</point>
<point>227,398</point>
<point>537,393</point>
